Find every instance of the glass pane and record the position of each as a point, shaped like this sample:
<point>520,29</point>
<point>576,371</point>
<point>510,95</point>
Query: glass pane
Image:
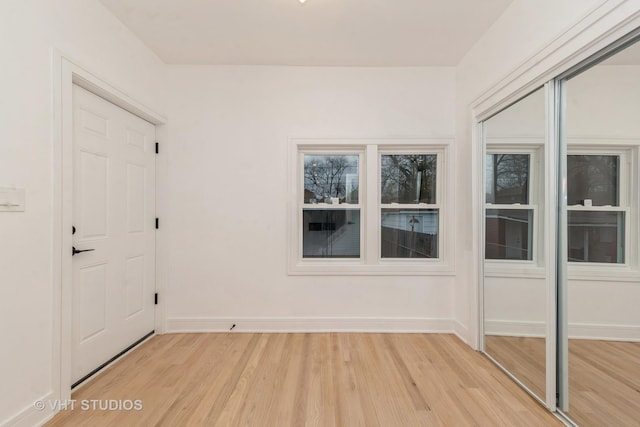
<point>593,178</point>
<point>596,236</point>
<point>408,178</point>
<point>508,234</point>
<point>409,233</point>
<point>507,178</point>
<point>331,233</point>
<point>331,176</point>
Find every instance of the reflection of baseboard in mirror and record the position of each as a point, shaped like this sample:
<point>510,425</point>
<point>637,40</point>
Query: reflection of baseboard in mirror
<point>584,331</point>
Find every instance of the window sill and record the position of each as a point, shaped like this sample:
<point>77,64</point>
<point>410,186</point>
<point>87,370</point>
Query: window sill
<point>603,273</point>
<point>590,273</point>
<point>514,269</point>
<point>429,268</point>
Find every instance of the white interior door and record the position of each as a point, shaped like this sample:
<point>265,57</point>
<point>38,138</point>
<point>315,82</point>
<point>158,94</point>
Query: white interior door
<point>114,218</point>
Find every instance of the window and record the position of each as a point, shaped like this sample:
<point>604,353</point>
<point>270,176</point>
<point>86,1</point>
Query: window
<point>368,208</point>
<point>509,215</point>
<point>409,213</point>
<point>597,208</point>
<point>330,184</point>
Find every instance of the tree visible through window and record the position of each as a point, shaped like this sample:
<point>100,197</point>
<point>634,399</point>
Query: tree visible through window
<point>596,221</point>
<point>407,189</point>
<point>327,176</point>
<point>408,178</point>
<point>507,178</point>
<point>509,220</point>
<point>331,182</point>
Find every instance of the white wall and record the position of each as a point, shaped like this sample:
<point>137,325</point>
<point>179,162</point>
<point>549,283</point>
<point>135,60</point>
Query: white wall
<point>521,32</point>
<point>227,223</point>
<point>29,29</point>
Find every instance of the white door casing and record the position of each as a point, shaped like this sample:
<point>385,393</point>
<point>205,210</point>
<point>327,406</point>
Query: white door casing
<point>113,214</point>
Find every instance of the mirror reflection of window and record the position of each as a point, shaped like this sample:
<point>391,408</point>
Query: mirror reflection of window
<point>596,225</point>
<point>508,234</point>
<point>507,178</point>
<point>509,218</point>
<point>593,179</point>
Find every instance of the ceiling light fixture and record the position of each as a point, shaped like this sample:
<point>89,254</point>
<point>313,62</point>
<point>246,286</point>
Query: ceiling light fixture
<point>302,1</point>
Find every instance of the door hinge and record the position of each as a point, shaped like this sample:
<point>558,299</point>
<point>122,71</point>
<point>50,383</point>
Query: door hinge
<point>155,299</point>
<point>157,147</point>
<point>157,223</point>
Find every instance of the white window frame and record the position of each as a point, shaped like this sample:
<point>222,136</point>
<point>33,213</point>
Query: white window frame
<point>626,203</point>
<point>370,261</point>
<point>535,204</point>
<point>386,150</point>
<point>341,151</point>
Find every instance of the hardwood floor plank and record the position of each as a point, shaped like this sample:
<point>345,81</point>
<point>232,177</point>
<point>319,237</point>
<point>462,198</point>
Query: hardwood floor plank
<point>333,379</point>
<point>349,407</point>
<point>360,381</point>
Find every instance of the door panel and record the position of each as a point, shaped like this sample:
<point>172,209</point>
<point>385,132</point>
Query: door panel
<point>135,204</point>
<point>135,285</point>
<point>113,213</point>
<point>92,313</point>
<point>91,218</point>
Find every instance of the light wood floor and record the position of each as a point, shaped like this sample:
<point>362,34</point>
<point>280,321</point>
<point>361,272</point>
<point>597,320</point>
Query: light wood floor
<point>308,379</point>
<point>604,376</point>
<point>523,357</point>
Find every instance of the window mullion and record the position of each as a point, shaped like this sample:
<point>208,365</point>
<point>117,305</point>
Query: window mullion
<point>371,214</point>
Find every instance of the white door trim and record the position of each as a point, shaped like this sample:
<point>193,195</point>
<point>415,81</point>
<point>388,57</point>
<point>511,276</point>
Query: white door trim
<point>66,73</point>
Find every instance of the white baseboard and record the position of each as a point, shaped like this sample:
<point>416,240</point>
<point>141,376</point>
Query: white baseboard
<point>604,332</point>
<point>585,331</point>
<point>308,324</point>
<point>31,416</point>
<point>461,331</point>
<point>512,328</point>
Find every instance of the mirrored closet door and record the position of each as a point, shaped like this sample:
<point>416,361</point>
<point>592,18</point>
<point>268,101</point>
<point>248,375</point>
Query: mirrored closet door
<point>600,298</point>
<point>561,256</point>
<point>515,270</point>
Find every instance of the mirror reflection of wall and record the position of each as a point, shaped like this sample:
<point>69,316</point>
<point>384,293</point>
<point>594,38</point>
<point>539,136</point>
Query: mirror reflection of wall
<point>514,271</point>
<point>603,138</point>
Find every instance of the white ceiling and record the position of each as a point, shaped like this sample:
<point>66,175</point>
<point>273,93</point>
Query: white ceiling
<point>318,32</point>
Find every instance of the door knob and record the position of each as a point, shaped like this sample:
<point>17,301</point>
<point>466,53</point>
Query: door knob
<point>76,251</point>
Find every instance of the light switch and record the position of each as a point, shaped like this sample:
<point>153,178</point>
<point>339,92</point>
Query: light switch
<point>11,199</point>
